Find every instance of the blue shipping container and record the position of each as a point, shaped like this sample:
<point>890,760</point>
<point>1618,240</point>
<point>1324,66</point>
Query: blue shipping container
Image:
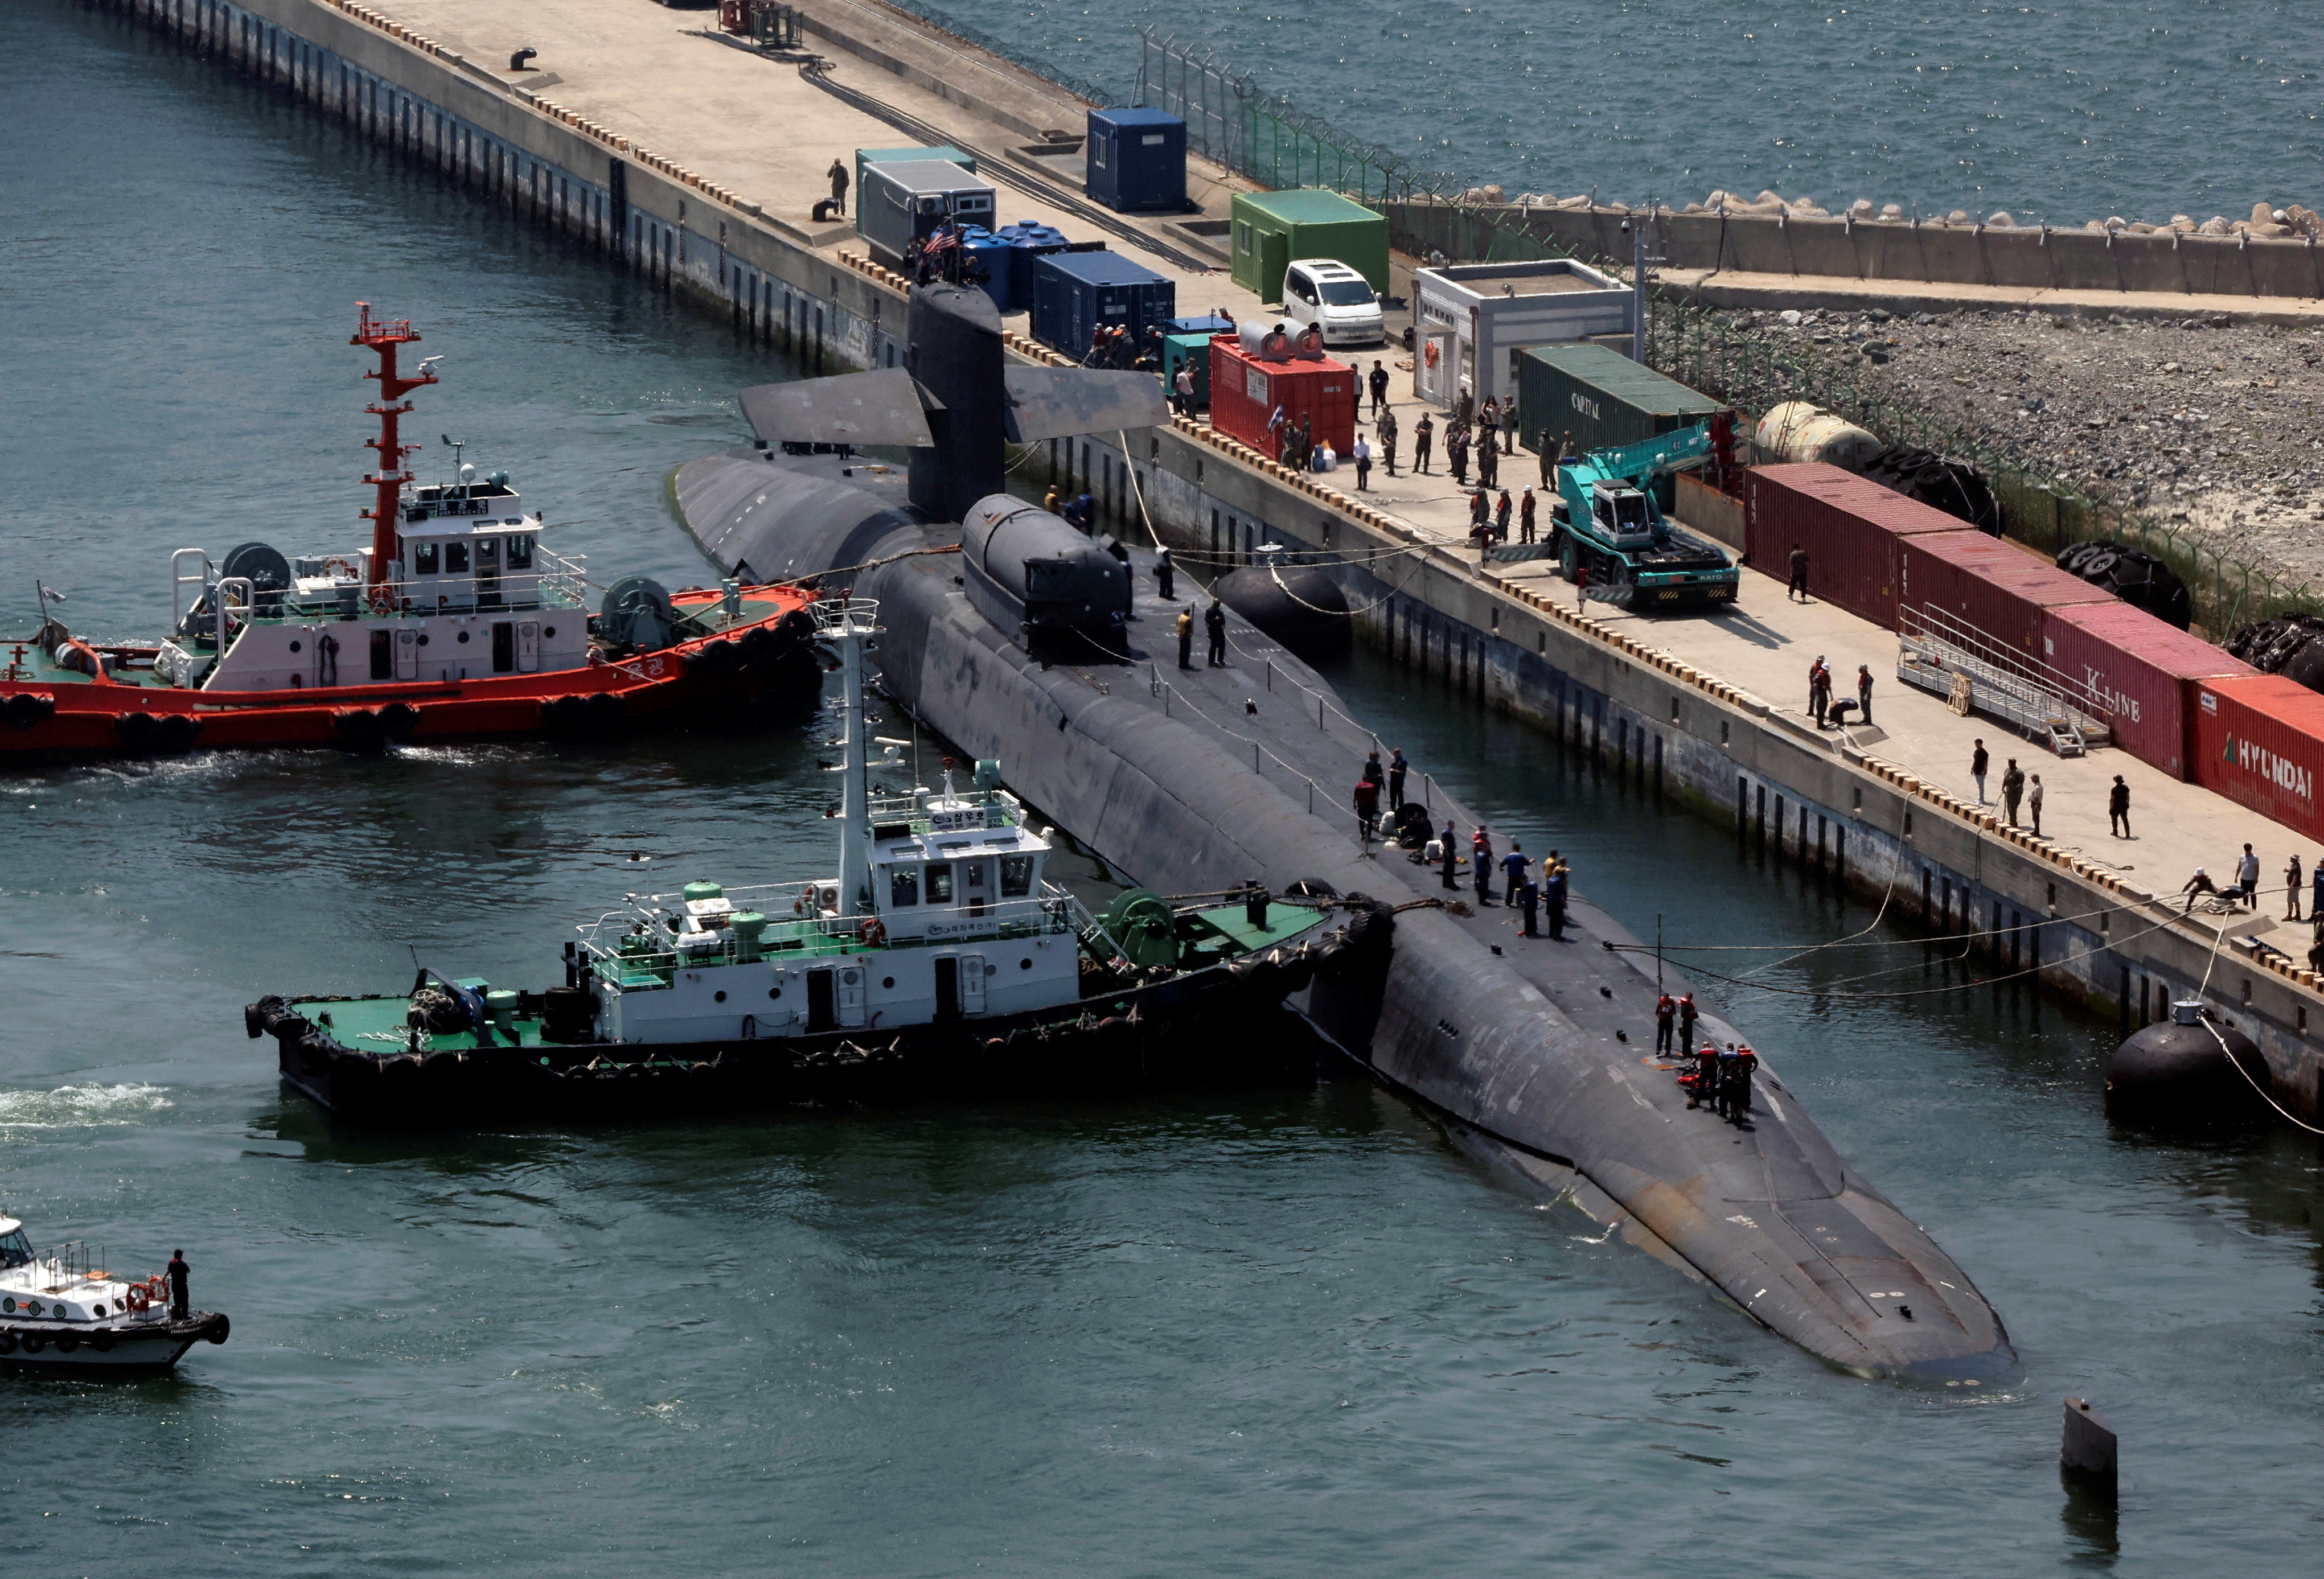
<point>1074,292</point>
<point>1209,324</point>
<point>1136,161</point>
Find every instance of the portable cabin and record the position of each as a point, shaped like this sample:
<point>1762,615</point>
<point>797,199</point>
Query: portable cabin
<point>867,157</point>
<point>1136,161</point>
<point>1269,229</point>
<point>901,203</point>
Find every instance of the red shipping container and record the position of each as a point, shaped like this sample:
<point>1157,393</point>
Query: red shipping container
<point>2260,742</point>
<point>1988,584</point>
<point>1847,524</point>
<point>2144,673</point>
<point>1246,392</point>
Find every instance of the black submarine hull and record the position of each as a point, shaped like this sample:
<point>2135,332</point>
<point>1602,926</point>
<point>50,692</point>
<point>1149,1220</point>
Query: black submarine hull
<point>1535,1050</point>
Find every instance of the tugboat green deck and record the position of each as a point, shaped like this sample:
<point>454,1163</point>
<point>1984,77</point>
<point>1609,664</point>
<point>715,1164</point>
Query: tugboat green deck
<point>937,959</point>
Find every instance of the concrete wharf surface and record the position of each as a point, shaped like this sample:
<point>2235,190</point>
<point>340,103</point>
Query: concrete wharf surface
<point>742,142</point>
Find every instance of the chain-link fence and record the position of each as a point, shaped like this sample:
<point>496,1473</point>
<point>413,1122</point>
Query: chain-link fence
<point>1264,136</point>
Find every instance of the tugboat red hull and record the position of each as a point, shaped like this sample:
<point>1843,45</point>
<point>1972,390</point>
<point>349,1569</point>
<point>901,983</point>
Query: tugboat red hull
<point>767,660</point>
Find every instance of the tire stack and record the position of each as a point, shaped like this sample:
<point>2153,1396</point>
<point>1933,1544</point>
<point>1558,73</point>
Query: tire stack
<point>2133,575</point>
<point>1940,485</point>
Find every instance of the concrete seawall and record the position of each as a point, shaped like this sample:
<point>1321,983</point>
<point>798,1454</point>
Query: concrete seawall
<point>1907,251</point>
<point>1665,727</point>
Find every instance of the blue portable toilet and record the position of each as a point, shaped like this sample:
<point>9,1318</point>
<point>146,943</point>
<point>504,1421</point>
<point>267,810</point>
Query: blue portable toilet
<point>1074,292</point>
<point>1136,161</point>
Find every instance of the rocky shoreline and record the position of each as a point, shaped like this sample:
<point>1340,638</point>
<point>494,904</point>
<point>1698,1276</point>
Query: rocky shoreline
<point>2267,221</point>
<point>2211,424</point>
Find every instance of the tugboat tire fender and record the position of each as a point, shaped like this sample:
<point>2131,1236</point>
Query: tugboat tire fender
<point>605,708</point>
<point>180,730</point>
<point>7,1343</point>
<point>101,1340</point>
<point>138,730</point>
<point>357,726</point>
<point>217,1327</point>
<point>398,719</point>
<point>28,708</point>
<point>67,1343</point>
<point>34,1343</point>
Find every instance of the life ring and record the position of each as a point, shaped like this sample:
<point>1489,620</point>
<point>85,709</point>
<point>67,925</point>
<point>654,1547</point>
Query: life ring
<point>1429,353</point>
<point>339,563</point>
<point>873,932</point>
<point>139,1300</point>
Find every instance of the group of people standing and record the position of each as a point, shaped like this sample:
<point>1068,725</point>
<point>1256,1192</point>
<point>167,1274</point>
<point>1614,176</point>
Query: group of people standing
<point>1830,713</point>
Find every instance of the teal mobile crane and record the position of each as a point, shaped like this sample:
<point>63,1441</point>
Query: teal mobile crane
<point>1606,520</point>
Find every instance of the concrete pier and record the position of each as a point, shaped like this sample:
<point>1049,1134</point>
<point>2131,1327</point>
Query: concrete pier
<point>694,161</point>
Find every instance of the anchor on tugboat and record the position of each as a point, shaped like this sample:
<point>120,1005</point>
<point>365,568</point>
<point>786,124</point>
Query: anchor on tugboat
<point>936,960</point>
<point>457,621</point>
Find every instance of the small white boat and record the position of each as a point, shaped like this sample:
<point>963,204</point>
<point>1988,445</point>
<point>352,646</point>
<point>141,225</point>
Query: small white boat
<point>58,1313</point>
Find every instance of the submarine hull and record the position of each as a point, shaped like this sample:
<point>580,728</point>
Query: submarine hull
<point>1537,1048</point>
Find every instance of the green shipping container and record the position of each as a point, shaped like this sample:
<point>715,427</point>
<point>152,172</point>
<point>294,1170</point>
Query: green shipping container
<point>1270,230</point>
<point>1179,349</point>
<point>1600,396</point>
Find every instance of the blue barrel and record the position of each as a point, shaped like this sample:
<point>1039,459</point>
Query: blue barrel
<point>1033,238</point>
<point>999,262</point>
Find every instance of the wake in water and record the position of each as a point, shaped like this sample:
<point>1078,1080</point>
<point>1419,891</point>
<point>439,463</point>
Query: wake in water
<point>80,1107</point>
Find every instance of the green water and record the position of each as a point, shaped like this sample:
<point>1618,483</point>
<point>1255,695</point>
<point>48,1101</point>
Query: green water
<point>1287,1331</point>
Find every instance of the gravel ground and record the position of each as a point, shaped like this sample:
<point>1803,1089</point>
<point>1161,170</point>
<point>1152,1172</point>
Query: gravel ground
<point>2213,425</point>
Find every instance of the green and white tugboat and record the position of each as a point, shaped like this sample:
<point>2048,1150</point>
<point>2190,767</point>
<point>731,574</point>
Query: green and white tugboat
<point>937,960</point>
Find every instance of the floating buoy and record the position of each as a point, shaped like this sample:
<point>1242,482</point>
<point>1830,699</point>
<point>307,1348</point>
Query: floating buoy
<point>2183,1072</point>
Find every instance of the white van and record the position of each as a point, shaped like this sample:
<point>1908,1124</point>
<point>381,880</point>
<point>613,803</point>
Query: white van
<point>1339,302</point>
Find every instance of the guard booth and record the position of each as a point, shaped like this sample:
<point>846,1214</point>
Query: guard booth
<point>1474,322</point>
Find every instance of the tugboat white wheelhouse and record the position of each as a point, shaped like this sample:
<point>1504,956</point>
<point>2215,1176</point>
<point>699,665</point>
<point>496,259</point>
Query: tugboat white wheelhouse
<point>938,958</point>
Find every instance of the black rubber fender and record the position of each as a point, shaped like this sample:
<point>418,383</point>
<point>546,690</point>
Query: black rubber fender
<point>34,1343</point>
<point>140,731</point>
<point>605,708</point>
<point>101,1340</point>
<point>358,727</point>
<point>180,730</point>
<point>67,1342</point>
<point>218,1329</point>
<point>397,720</point>
<point>29,708</point>
<point>7,1343</point>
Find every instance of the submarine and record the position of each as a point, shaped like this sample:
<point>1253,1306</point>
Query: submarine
<point>1019,637</point>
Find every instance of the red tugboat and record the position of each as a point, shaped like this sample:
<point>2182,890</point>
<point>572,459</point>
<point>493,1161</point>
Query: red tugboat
<point>457,622</point>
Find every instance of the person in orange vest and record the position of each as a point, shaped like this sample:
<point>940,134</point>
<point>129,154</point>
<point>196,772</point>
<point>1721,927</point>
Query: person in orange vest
<point>1481,856</point>
<point>1687,1017</point>
<point>1665,1022</point>
<point>1706,1077</point>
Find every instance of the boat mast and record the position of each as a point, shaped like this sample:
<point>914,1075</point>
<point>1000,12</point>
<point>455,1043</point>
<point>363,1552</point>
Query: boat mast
<point>848,625</point>
<point>383,335</point>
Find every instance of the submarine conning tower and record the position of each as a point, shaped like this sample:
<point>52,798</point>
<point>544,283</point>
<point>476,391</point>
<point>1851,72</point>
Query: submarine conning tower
<point>956,359</point>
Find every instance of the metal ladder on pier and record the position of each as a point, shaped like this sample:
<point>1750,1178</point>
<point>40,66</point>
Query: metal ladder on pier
<point>1976,674</point>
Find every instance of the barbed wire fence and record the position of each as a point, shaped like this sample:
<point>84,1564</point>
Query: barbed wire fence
<point>1435,215</point>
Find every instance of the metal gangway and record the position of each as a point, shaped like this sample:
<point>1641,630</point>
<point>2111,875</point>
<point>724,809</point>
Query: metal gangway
<point>1976,674</point>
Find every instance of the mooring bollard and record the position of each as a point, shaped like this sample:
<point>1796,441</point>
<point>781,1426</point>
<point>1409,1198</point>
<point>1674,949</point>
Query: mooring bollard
<point>2086,1455</point>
